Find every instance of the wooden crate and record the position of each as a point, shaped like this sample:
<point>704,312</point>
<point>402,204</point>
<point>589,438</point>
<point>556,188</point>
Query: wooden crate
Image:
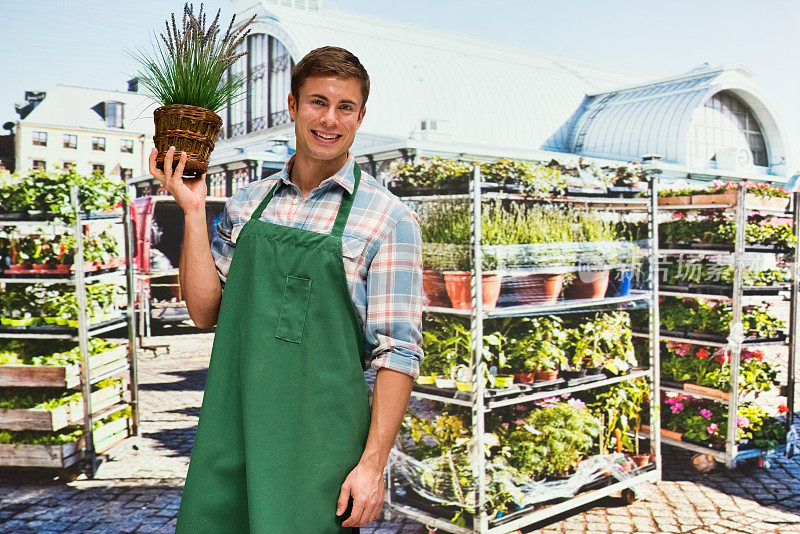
<point>64,455</point>
<point>58,418</point>
<point>674,201</point>
<point>63,376</point>
<point>729,198</point>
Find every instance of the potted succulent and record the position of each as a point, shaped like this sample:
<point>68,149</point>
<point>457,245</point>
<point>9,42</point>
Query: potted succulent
<point>188,73</point>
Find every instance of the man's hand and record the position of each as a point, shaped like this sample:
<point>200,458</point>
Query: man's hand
<point>191,195</point>
<point>365,484</point>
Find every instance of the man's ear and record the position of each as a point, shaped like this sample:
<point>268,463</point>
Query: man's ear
<point>292,106</point>
<point>361,116</point>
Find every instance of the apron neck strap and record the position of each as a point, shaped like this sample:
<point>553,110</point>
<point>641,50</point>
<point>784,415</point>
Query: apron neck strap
<point>344,206</point>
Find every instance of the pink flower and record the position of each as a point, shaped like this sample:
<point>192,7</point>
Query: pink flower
<point>577,403</point>
<point>520,408</point>
<point>504,425</point>
<point>712,428</point>
<point>677,407</point>
<point>519,422</point>
<point>706,413</point>
<point>743,421</point>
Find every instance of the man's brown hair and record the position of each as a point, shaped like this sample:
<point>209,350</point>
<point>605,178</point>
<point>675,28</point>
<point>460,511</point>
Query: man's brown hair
<point>330,60</point>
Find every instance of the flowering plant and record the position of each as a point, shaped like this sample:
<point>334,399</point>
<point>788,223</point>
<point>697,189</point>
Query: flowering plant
<point>689,363</point>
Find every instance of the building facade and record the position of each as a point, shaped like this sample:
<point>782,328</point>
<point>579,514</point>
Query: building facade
<point>88,129</point>
<point>439,94</point>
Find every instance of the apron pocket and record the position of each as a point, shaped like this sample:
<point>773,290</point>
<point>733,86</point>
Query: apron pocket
<point>293,309</point>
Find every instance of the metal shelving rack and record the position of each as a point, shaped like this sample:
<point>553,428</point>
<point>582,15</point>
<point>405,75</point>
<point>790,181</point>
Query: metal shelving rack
<point>736,340</point>
<point>90,460</point>
<point>481,403</point>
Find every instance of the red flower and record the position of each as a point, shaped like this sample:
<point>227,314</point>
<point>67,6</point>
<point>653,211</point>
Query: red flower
<point>702,353</point>
<point>783,408</point>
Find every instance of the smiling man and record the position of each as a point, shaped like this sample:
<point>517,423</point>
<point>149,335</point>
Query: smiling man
<point>322,273</point>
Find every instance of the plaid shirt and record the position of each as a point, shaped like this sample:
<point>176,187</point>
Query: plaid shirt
<point>381,250</point>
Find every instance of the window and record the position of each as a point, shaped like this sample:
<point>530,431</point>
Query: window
<point>727,122</point>
<point>40,138</point>
<point>70,141</point>
<point>127,146</point>
<point>39,164</point>
<point>114,114</point>
<point>125,174</point>
<point>267,70</point>
<point>99,167</point>
<point>69,165</point>
<point>98,143</point>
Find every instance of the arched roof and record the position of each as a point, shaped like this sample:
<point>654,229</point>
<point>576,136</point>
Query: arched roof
<point>655,118</point>
<point>481,92</point>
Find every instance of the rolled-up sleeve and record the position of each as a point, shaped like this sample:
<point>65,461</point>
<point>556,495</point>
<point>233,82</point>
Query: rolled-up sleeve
<point>394,300</point>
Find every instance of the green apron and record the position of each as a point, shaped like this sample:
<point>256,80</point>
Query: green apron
<point>285,412</point>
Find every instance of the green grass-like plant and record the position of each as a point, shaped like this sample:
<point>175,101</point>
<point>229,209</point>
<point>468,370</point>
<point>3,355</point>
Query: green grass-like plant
<point>189,64</point>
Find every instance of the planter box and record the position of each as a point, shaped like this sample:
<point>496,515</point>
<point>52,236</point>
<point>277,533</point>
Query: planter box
<point>729,198</point>
<point>58,418</point>
<point>674,201</point>
<point>671,434</point>
<point>60,376</point>
<point>694,388</point>
<point>66,454</point>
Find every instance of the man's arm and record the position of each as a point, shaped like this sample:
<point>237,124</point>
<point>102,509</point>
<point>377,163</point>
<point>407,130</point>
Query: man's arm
<point>197,273</point>
<point>394,328</point>
<point>200,283</point>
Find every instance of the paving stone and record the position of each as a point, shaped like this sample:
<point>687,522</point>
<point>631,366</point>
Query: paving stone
<point>141,490</point>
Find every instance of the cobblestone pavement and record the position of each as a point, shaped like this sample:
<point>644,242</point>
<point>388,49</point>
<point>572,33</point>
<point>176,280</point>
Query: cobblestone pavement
<point>140,490</point>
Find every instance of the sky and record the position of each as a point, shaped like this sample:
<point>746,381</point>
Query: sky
<point>82,42</point>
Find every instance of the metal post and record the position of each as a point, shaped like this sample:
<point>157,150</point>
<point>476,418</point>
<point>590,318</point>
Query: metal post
<point>655,329</point>
<point>131,287</point>
<point>794,322</point>
<point>477,451</point>
<point>736,336</point>
<point>90,458</point>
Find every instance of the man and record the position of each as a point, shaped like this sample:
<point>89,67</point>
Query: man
<point>322,270</point>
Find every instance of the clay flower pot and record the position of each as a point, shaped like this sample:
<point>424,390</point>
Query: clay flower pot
<point>540,288</point>
<point>434,288</point>
<point>458,289</point>
<point>588,285</point>
<point>525,378</point>
<point>641,460</point>
<point>546,375</point>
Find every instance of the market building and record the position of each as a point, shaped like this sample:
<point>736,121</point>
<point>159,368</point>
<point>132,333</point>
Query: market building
<point>436,93</point>
<point>88,129</point>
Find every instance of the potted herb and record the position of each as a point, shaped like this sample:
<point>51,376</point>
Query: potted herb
<point>188,73</point>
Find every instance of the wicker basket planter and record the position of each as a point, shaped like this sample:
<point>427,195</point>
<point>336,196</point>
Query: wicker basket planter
<point>189,129</point>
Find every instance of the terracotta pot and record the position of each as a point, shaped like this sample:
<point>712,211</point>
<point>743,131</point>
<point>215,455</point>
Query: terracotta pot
<point>588,285</point>
<point>542,288</point>
<point>641,460</point>
<point>525,378</point>
<point>546,376</point>
<point>17,267</point>
<point>41,267</point>
<point>434,288</point>
<point>63,268</point>
<point>458,289</point>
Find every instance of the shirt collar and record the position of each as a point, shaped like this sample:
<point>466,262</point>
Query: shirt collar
<point>344,176</point>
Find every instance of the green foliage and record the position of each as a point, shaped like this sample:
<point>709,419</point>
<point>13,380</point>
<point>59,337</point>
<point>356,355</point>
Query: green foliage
<point>604,341</point>
<point>715,231</point>
<point>551,441</point>
<point>49,191</point>
<point>685,362</point>
<point>693,315</point>
<point>620,407</point>
<point>189,65</point>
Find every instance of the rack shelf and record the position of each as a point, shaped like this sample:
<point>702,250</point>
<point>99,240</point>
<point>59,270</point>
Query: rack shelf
<point>480,401</point>
<point>93,406</point>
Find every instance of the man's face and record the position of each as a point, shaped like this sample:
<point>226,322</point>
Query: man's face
<point>327,114</point>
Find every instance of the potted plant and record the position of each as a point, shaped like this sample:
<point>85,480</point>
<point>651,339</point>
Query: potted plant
<point>189,74</point>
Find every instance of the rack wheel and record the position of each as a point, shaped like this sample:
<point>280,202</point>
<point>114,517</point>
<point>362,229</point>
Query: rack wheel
<point>629,496</point>
<point>703,463</point>
<point>68,474</point>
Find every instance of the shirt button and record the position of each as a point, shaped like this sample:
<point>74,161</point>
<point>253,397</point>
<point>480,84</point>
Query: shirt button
<point>295,201</point>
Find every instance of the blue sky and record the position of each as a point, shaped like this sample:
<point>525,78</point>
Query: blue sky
<point>81,42</point>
